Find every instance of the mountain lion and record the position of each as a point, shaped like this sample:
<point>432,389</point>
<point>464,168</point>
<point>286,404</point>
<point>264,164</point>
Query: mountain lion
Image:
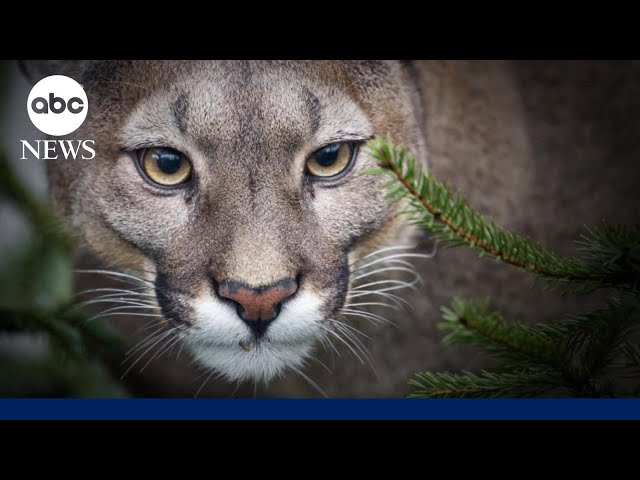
<point>227,221</point>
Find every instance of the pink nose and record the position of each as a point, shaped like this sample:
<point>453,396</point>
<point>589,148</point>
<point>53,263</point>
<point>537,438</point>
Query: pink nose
<point>258,305</point>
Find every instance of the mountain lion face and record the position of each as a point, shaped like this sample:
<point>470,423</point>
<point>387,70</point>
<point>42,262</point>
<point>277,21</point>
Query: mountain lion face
<point>234,191</point>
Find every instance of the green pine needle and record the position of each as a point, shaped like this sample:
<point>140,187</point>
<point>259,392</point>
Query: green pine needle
<point>515,345</point>
<point>483,385</point>
<point>452,221</point>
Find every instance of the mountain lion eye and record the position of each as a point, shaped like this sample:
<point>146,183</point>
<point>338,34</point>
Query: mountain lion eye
<point>331,160</point>
<point>165,166</point>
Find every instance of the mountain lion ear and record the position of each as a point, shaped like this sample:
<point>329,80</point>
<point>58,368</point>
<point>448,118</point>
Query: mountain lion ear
<point>36,70</point>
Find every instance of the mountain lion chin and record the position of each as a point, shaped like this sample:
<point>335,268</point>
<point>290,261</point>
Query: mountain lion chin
<point>259,362</point>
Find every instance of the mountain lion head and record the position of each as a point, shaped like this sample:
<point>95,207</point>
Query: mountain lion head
<point>233,192</point>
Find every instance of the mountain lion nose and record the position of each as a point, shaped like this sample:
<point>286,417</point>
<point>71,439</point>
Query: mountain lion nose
<point>258,307</point>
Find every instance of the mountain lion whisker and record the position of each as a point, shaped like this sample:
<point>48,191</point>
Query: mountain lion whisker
<point>328,341</point>
<point>384,269</point>
<point>168,344</point>
<point>390,260</point>
<point>369,315</point>
<point>394,298</point>
<point>150,324</point>
<point>395,262</point>
<point>400,283</point>
<point>382,250</point>
<point>132,314</point>
<point>116,309</point>
<point>114,300</point>
<point>309,381</point>
<point>347,335</point>
<point>350,327</point>
<point>161,329</point>
<point>140,357</point>
<point>372,304</point>
<point>332,332</point>
<point>394,256</point>
<point>356,342</point>
<point>119,275</point>
<point>211,373</point>
<point>321,363</point>
<point>132,291</point>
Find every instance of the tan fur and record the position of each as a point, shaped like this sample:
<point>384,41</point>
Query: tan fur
<point>488,130</point>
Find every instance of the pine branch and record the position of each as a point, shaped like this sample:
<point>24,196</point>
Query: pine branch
<point>63,335</point>
<point>432,205</point>
<point>36,290</point>
<point>514,345</point>
<point>483,385</point>
<point>580,348</point>
<point>617,248</point>
<point>72,336</point>
<point>35,209</point>
<point>48,377</point>
<point>591,341</point>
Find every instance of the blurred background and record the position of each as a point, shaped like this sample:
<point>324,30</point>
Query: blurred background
<point>543,147</point>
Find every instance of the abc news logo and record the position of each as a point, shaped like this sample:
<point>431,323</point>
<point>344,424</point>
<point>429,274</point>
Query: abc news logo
<point>57,106</point>
<point>40,105</point>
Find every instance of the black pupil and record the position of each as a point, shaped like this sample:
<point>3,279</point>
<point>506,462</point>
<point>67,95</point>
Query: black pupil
<point>327,156</point>
<point>169,162</point>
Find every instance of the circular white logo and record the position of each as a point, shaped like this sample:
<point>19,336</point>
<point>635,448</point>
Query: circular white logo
<point>57,105</point>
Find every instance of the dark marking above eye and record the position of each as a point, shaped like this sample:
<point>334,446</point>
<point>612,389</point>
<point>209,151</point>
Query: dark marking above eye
<point>179,111</point>
<point>314,108</point>
<point>242,74</point>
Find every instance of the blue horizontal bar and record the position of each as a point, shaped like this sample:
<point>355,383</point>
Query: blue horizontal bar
<point>319,409</point>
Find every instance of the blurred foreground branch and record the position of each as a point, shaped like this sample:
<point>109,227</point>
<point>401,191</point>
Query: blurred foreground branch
<point>36,300</point>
